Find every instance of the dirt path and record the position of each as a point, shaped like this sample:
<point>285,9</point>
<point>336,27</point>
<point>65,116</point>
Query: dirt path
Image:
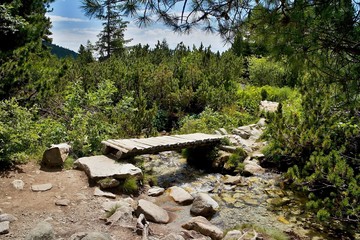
<point>83,214</point>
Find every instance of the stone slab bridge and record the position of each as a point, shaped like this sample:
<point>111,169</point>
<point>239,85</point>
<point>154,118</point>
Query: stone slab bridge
<point>124,148</point>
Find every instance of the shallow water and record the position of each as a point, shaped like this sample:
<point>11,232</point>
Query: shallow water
<point>258,200</point>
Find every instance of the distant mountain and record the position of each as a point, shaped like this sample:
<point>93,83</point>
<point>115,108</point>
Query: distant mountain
<point>59,51</point>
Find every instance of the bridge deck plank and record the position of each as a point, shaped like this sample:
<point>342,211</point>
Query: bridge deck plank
<point>135,146</point>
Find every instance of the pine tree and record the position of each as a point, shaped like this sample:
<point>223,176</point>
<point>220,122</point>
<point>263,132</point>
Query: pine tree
<point>111,38</point>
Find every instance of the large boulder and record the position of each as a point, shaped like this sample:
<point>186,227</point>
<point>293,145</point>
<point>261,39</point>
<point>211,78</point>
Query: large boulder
<point>268,106</point>
<point>42,231</point>
<point>56,155</point>
<point>102,167</point>
<point>152,212</point>
<point>204,205</point>
<point>203,226</point>
<point>252,168</point>
<point>180,195</point>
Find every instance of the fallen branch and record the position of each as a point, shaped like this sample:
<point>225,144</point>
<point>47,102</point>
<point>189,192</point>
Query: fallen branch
<point>142,225</point>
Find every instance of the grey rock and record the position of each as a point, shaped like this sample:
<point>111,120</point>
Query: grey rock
<point>155,191</point>
<point>99,193</point>
<point>216,132</point>
<point>180,195</point>
<point>244,132</point>
<point>152,212</point>
<point>41,187</point>
<point>232,180</point>
<point>229,149</point>
<point>222,158</point>
<point>204,205</point>
<point>102,166</point>
<point>233,234</point>
<point>4,227</point>
<point>18,184</point>
<point>122,214</point>
<point>42,231</point>
<point>62,202</point>
<point>90,236</point>
<point>258,156</point>
<point>7,218</point>
<point>111,205</point>
<point>261,123</point>
<point>56,155</point>
<point>203,226</point>
<point>223,131</point>
<point>255,134</point>
<point>252,168</point>
<point>268,106</point>
<point>277,202</point>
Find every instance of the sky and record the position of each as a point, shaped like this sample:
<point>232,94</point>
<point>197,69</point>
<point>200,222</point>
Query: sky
<point>70,28</point>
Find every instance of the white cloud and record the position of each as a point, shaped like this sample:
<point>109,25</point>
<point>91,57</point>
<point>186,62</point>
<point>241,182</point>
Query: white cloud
<point>72,37</point>
<point>56,18</point>
<point>151,35</point>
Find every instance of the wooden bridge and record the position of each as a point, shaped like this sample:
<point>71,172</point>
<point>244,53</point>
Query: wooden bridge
<point>123,148</point>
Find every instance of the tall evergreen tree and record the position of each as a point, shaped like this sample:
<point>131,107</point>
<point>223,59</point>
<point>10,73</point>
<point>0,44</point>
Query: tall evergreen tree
<point>23,27</point>
<point>111,38</point>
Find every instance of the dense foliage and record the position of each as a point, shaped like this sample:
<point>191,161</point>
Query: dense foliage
<point>303,54</point>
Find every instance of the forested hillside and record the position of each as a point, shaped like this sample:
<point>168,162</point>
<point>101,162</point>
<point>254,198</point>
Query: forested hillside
<point>59,51</point>
<point>303,54</point>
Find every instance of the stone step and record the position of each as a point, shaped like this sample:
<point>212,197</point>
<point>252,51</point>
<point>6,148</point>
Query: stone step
<point>102,166</point>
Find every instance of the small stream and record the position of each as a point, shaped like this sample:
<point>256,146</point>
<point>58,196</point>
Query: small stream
<point>257,200</point>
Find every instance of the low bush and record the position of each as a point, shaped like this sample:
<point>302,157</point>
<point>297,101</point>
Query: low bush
<point>18,133</point>
<point>130,185</point>
<point>236,160</point>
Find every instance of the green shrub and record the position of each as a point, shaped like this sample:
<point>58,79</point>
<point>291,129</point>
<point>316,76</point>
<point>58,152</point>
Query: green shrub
<point>69,163</point>
<point>209,120</point>
<point>18,133</point>
<point>236,160</point>
<point>264,71</point>
<point>130,185</point>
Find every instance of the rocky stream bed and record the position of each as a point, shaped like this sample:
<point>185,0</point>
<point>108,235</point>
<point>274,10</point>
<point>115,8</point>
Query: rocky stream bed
<point>187,203</point>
